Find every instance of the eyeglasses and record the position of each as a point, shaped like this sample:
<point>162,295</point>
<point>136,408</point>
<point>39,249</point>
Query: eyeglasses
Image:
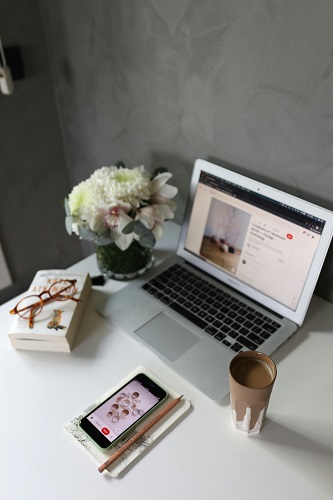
<point>29,307</point>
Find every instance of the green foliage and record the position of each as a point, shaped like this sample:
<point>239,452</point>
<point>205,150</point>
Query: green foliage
<point>159,170</point>
<point>130,227</point>
<point>120,164</point>
<point>86,234</point>
<point>102,239</point>
<point>148,240</point>
<point>68,224</point>
<point>140,229</point>
<point>99,239</point>
<point>66,206</point>
<point>146,236</point>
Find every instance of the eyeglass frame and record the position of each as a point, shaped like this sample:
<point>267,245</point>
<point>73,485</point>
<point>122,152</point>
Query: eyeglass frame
<point>42,301</point>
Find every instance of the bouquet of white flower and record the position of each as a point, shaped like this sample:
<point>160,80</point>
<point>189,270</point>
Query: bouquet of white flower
<point>120,205</point>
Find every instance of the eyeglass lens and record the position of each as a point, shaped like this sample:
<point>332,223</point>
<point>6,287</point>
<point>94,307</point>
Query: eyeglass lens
<point>29,305</point>
<point>62,290</point>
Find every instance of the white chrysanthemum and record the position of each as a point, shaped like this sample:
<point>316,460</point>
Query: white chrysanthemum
<point>106,186</point>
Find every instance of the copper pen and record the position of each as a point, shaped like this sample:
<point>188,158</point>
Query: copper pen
<point>139,434</point>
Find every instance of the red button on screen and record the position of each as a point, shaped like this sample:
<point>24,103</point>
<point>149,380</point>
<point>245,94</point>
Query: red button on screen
<point>105,431</point>
<point>289,236</point>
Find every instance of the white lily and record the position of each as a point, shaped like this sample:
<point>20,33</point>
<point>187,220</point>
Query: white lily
<point>114,218</point>
<point>160,192</point>
<point>153,217</point>
<point>101,220</point>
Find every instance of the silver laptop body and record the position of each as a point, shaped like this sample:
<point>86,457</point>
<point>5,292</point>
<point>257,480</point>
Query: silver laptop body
<point>261,246</point>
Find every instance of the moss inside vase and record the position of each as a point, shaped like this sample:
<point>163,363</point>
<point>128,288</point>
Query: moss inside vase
<point>122,264</point>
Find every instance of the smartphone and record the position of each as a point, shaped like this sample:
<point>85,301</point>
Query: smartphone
<point>122,411</point>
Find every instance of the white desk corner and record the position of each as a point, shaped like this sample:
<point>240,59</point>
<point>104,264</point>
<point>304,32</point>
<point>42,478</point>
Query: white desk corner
<point>203,456</point>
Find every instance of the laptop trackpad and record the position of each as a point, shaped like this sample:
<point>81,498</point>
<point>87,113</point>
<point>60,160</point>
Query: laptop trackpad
<point>167,336</point>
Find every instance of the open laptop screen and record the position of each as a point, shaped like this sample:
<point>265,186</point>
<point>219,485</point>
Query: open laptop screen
<point>255,238</point>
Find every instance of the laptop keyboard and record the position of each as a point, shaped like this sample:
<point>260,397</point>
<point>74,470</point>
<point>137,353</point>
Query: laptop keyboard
<point>219,314</point>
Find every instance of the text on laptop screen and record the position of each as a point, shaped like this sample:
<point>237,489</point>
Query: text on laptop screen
<point>265,244</point>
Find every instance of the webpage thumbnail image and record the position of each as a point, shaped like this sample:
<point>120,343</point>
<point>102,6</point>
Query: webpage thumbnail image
<point>224,235</point>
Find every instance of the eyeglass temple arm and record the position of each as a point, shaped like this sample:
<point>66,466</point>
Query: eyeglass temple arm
<point>31,317</point>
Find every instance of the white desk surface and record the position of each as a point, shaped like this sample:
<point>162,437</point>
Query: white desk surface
<point>203,456</point>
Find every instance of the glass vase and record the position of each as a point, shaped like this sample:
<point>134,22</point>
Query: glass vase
<point>123,264</point>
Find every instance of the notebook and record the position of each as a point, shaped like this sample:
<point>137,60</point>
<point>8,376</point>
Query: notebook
<point>246,265</point>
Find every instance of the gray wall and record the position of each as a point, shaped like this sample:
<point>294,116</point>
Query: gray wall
<point>33,172</point>
<point>162,82</point>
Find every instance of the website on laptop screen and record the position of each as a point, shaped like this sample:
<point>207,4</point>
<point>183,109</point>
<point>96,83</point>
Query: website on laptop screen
<point>265,244</point>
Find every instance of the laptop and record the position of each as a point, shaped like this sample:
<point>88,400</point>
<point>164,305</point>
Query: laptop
<point>245,269</point>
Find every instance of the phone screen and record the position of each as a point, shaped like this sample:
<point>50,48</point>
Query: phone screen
<point>117,415</point>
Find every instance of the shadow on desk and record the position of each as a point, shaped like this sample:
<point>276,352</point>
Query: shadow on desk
<point>318,319</point>
<point>294,447</point>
